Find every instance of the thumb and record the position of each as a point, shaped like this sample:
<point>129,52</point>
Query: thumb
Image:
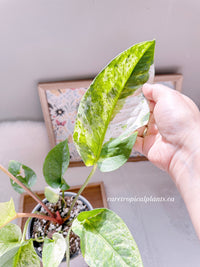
<point>153,92</point>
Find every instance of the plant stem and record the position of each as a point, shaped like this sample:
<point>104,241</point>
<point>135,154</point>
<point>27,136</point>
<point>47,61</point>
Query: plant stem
<point>82,188</point>
<point>25,230</point>
<point>33,195</point>
<point>70,222</point>
<point>68,245</point>
<point>63,201</point>
<point>39,239</point>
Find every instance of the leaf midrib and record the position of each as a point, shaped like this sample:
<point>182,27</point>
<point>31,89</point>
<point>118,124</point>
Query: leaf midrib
<point>109,118</point>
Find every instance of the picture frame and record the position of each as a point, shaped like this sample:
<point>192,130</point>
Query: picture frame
<point>60,100</point>
<point>173,81</point>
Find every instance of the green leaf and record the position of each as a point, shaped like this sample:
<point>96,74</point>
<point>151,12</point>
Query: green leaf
<point>106,240</point>
<point>52,194</point>
<point>10,237</point>
<point>53,250</point>
<point>13,252</point>
<point>7,211</point>
<point>26,256</point>
<point>23,173</point>
<point>8,252</point>
<point>7,261</point>
<point>110,109</point>
<point>116,152</point>
<point>10,233</point>
<point>56,164</point>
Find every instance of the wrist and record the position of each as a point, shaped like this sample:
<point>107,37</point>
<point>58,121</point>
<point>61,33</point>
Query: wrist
<point>184,167</point>
<point>185,171</point>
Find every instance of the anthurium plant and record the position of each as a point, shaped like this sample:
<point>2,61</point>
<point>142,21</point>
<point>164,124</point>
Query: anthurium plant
<point>109,114</point>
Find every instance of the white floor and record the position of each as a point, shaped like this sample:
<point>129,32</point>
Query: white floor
<point>162,230</point>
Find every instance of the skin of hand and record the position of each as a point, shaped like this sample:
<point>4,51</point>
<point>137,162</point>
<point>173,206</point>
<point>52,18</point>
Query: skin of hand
<point>172,142</point>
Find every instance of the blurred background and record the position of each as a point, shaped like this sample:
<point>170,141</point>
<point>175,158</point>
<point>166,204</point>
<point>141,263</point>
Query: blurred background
<point>52,40</point>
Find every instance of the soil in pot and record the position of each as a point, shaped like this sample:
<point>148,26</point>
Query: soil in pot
<point>42,228</point>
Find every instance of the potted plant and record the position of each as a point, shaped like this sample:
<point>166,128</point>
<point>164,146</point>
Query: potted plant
<point>109,114</point>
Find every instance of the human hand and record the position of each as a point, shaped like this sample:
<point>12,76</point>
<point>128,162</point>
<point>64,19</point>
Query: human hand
<point>173,128</point>
<point>172,142</point>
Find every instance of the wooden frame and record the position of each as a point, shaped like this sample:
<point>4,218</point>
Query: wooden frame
<point>176,80</point>
<point>57,90</point>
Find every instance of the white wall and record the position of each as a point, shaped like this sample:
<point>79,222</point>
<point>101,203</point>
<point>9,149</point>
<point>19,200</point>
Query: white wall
<point>51,40</point>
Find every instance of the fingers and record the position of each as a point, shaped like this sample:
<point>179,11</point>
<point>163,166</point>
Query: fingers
<point>152,127</point>
<point>151,106</point>
<point>141,130</point>
<point>138,146</point>
<point>146,136</point>
<point>149,129</point>
<point>144,145</point>
<point>155,91</point>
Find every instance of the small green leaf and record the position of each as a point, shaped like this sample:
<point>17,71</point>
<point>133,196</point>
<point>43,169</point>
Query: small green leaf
<point>26,256</point>
<point>53,250</point>
<point>106,240</point>
<point>109,109</point>
<point>116,152</point>
<point>56,164</point>
<point>10,237</point>
<point>23,173</point>
<point>52,194</point>
<point>7,212</point>
<point>10,233</point>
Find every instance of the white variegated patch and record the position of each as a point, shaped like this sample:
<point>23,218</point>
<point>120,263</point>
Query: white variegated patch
<point>133,115</point>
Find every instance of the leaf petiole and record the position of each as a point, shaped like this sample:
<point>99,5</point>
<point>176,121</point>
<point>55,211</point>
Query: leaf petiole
<point>33,195</point>
<point>82,188</point>
<point>25,230</point>
<point>67,249</point>
<point>63,199</point>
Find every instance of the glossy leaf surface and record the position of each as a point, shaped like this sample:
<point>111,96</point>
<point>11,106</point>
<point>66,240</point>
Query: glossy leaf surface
<point>55,166</point>
<point>109,109</point>
<point>23,173</point>
<point>106,240</point>
<point>53,250</point>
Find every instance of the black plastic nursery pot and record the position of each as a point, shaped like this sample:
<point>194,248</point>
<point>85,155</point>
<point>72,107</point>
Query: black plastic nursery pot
<point>84,205</point>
